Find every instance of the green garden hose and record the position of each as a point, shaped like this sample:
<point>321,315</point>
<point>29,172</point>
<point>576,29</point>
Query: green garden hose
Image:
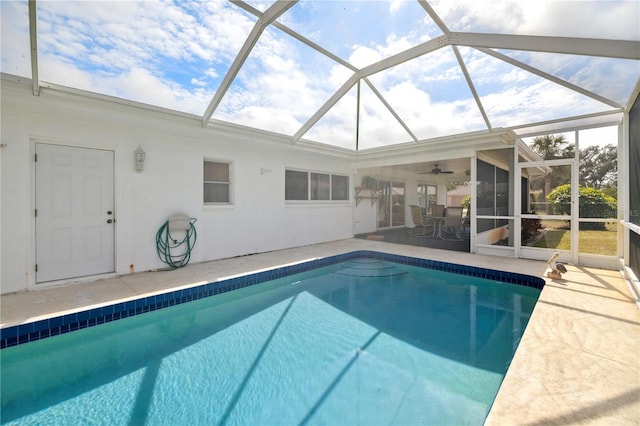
<point>176,252</point>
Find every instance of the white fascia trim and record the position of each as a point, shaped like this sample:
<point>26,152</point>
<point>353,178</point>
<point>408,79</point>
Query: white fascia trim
<point>526,152</point>
<point>63,92</point>
<point>614,121</point>
<point>324,149</point>
<point>234,130</point>
<point>464,141</point>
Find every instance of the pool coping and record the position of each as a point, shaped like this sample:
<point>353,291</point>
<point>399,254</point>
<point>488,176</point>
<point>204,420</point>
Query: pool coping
<point>41,329</point>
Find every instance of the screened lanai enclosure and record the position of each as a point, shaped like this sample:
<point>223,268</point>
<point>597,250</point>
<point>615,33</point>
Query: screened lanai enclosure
<point>280,124</point>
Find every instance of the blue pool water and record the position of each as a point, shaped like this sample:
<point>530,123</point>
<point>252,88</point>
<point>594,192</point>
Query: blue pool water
<point>365,341</point>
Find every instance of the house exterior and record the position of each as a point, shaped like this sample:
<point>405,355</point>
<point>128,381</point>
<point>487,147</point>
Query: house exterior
<point>261,140</point>
<point>257,218</point>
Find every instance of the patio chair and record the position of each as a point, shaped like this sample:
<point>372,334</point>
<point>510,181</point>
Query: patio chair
<point>437,210</point>
<point>453,220</point>
<point>420,221</point>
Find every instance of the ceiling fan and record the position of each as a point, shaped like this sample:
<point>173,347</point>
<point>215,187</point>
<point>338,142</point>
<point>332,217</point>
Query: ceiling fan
<point>436,171</point>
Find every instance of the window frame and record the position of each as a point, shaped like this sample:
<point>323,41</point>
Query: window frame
<point>491,179</point>
<point>331,185</point>
<point>228,183</point>
<point>296,190</point>
<point>319,187</point>
<point>312,191</point>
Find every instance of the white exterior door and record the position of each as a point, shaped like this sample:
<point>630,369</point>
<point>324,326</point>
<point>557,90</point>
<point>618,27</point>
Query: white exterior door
<point>75,217</point>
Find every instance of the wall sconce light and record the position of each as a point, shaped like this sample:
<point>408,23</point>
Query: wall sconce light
<point>139,155</point>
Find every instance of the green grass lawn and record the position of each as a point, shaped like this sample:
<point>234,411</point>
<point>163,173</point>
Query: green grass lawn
<point>591,241</point>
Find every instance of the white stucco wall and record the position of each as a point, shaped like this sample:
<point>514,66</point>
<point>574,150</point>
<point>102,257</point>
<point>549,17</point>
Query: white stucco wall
<point>365,213</point>
<point>258,220</point>
<point>176,145</point>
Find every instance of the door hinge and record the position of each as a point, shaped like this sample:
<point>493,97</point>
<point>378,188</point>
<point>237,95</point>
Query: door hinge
<point>36,267</point>
<point>36,212</point>
<point>35,158</point>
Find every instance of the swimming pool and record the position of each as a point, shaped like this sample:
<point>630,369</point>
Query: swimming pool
<point>361,338</point>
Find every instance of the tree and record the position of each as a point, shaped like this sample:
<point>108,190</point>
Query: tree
<point>599,166</point>
<point>551,147</point>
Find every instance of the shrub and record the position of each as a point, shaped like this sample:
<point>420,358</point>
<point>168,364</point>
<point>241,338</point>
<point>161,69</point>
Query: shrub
<point>530,229</point>
<point>466,202</point>
<point>593,203</point>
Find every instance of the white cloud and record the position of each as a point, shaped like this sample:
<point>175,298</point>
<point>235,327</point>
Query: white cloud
<point>600,136</point>
<point>362,56</point>
<point>512,96</point>
<point>435,66</point>
<point>378,127</point>
<point>137,84</point>
<point>593,19</point>
<point>169,47</point>
<point>531,103</point>
<point>428,119</point>
<point>281,85</point>
<point>173,55</point>
<point>611,78</point>
<point>63,72</point>
<point>267,118</point>
<point>599,19</point>
<point>211,73</point>
<point>486,15</point>
<point>395,5</point>
<point>150,89</point>
<point>338,75</point>
<point>14,38</point>
<point>395,44</point>
<point>448,74</point>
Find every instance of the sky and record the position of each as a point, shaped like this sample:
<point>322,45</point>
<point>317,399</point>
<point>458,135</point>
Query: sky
<point>174,54</point>
<point>599,136</point>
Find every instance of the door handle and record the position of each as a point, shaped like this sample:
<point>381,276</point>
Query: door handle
<point>109,220</point>
<point>109,212</point>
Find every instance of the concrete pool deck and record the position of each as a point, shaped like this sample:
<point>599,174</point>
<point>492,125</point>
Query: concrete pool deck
<point>577,363</point>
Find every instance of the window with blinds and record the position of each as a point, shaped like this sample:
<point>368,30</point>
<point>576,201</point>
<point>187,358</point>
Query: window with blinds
<point>312,186</point>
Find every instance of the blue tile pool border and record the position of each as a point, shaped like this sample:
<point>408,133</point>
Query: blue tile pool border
<point>29,332</point>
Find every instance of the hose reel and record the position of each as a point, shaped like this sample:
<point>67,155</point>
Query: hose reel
<point>175,240</point>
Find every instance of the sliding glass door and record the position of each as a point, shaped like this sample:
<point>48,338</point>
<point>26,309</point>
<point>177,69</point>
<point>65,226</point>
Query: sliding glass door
<point>391,204</point>
<point>427,197</point>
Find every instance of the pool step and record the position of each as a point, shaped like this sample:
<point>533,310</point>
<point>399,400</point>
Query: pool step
<point>369,268</point>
